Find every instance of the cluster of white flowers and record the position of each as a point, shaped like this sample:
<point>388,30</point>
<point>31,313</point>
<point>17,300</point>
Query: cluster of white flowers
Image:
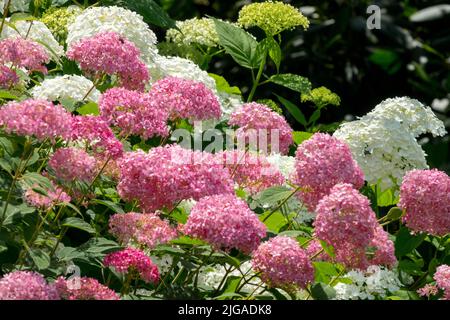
<point>15,5</point>
<point>285,164</point>
<point>38,32</point>
<point>375,282</point>
<point>384,141</point>
<point>211,276</point>
<point>115,19</point>
<point>194,31</point>
<point>66,87</point>
<point>229,103</point>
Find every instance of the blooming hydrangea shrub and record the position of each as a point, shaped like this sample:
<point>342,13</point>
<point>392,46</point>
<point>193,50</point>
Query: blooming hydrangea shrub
<point>26,285</point>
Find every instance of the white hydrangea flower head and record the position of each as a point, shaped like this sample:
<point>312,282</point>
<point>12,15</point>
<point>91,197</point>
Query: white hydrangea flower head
<point>375,282</point>
<point>125,22</point>
<point>285,164</point>
<point>66,87</point>
<point>38,33</point>
<point>384,149</point>
<point>229,103</point>
<point>194,31</point>
<point>15,6</point>
<point>417,117</point>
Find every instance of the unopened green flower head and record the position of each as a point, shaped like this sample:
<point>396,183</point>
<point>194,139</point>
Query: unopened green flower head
<point>57,20</point>
<point>199,31</point>
<point>321,97</point>
<point>271,104</point>
<point>272,17</point>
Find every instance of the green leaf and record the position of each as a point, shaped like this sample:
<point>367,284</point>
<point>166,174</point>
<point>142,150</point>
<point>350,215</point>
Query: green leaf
<point>223,85</point>
<point>7,96</point>
<point>328,248</point>
<point>184,240</point>
<point>238,43</point>
<point>388,60</point>
<point>99,246</point>
<point>148,9</point>
<point>314,117</point>
<point>40,258</point>
<point>292,81</point>
<point>321,291</point>
<point>405,242</point>
<point>89,108</point>
<point>324,271</point>
<point>300,136</point>
<point>394,214</point>
<point>115,207</point>
<point>34,178</point>
<point>274,52</point>
<point>275,221</point>
<point>78,223</point>
<point>273,195</point>
<point>293,109</point>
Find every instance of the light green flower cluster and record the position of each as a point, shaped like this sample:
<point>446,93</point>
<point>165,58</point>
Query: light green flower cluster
<point>272,17</point>
<point>271,104</point>
<point>199,31</point>
<point>321,97</point>
<point>57,20</point>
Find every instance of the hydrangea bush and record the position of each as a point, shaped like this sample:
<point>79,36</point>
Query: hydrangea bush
<point>154,179</point>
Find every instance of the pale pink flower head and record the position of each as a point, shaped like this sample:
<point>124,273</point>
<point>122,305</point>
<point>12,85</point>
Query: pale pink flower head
<point>26,285</point>
<point>442,277</point>
<point>110,53</point>
<point>322,162</point>
<point>54,196</point>
<point>97,132</point>
<point>185,99</point>
<point>133,112</point>
<point>70,164</point>
<point>261,127</point>
<point>38,118</point>
<point>134,261</point>
<point>8,77</point>
<point>83,288</point>
<point>345,220</point>
<point>166,175</point>
<point>226,222</point>
<point>384,253</point>
<point>146,230</point>
<point>425,196</point>
<point>315,251</point>
<point>428,290</point>
<point>283,263</point>
<point>252,172</point>
<point>23,53</point>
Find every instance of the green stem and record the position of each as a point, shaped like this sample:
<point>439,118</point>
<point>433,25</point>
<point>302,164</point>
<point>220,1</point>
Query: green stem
<point>5,13</point>
<point>282,203</point>
<point>258,78</point>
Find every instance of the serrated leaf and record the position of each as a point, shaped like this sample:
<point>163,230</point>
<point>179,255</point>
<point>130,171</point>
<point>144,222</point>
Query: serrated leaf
<point>292,81</point>
<point>293,110</point>
<point>78,223</point>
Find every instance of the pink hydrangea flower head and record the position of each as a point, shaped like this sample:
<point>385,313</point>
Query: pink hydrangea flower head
<point>109,53</point>
<point>258,124</point>
<point>315,251</point>
<point>26,285</point>
<point>23,53</point>
<point>166,175</point>
<point>133,260</point>
<point>322,162</point>
<point>83,288</point>
<point>133,112</point>
<point>96,131</point>
<point>8,77</point>
<point>185,99</point>
<point>428,290</point>
<point>384,249</point>
<point>226,222</point>
<point>442,277</point>
<point>70,164</point>
<point>252,172</point>
<point>38,118</point>
<point>345,219</point>
<point>283,263</point>
<point>54,196</point>
<point>425,196</point>
<point>141,229</point>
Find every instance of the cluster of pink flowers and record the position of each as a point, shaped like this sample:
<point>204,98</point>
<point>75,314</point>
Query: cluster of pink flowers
<point>322,162</point>
<point>252,172</point>
<point>185,99</point>
<point>425,196</point>
<point>225,222</point>
<point>83,288</point>
<point>8,77</point>
<point>442,277</point>
<point>109,53</point>
<point>96,131</point>
<point>70,164</point>
<point>346,221</point>
<point>134,113</point>
<point>22,53</point>
<point>143,229</point>
<point>38,118</point>
<point>53,197</point>
<point>26,285</point>
<point>134,261</point>
<point>315,251</point>
<point>259,124</point>
<point>428,290</point>
<point>169,174</point>
<point>384,249</point>
<point>283,263</point>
